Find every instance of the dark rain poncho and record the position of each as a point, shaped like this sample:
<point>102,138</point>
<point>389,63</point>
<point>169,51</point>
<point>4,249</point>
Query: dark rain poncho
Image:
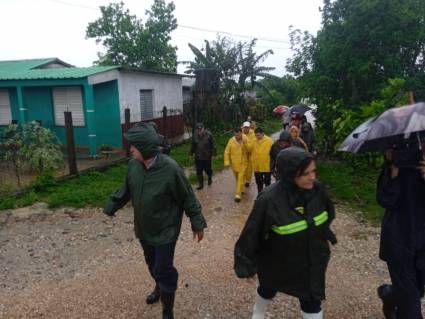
<point>159,195</point>
<point>285,239</point>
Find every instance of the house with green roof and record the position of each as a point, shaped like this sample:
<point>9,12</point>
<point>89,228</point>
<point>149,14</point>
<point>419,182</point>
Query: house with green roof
<point>43,89</point>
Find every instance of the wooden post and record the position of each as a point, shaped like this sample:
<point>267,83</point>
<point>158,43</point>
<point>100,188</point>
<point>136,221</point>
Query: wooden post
<point>164,120</point>
<point>411,97</point>
<point>72,158</point>
<point>126,128</point>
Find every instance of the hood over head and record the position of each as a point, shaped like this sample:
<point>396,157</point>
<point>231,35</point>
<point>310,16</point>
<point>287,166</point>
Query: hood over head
<point>289,161</point>
<point>144,137</point>
<point>285,136</point>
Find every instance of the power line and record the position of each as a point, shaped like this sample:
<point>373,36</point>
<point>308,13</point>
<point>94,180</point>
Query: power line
<point>235,34</point>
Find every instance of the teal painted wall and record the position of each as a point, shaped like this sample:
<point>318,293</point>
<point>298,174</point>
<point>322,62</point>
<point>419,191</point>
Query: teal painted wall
<point>108,124</point>
<point>39,101</point>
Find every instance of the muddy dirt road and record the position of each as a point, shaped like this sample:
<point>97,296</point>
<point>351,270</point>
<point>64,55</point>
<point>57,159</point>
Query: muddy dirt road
<point>72,263</point>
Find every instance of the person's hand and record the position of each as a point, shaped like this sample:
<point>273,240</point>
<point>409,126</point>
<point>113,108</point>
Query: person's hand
<point>389,155</point>
<point>251,280</point>
<point>199,234</point>
<point>394,171</point>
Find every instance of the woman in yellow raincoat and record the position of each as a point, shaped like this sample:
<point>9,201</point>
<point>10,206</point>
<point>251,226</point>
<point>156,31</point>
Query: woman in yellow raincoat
<point>235,156</point>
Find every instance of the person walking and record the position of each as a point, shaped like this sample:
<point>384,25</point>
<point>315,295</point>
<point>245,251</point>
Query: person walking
<point>401,191</point>
<point>285,239</point>
<point>159,192</point>
<point>261,159</point>
<point>235,156</point>
<point>204,148</point>
<point>250,134</point>
<point>284,141</point>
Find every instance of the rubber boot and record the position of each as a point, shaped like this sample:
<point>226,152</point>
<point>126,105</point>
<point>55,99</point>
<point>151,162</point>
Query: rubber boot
<point>389,308</point>
<point>167,300</point>
<point>318,315</point>
<point>153,296</point>
<point>260,306</point>
<point>209,180</point>
<point>200,182</point>
<point>237,198</point>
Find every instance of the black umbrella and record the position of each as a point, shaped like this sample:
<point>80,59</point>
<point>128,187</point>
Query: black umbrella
<point>393,127</point>
<point>300,108</point>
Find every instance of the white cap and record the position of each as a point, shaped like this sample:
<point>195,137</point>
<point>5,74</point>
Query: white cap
<point>246,124</point>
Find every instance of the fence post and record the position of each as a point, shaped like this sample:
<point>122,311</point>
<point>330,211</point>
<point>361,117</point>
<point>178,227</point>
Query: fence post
<point>126,128</point>
<point>72,158</point>
<point>164,120</point>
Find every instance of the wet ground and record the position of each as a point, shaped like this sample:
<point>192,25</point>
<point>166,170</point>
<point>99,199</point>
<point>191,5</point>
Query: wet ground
<point>80,264</point>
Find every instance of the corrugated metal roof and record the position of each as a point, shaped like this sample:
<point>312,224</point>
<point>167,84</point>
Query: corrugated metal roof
<point>55,73</point>
<point>23,65</point>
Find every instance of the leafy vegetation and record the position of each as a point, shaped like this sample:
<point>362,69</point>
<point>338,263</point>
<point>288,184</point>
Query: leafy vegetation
<point>353,185</point>
<point>130,42</point>
<point>235,69</point>
<point>362,46</point>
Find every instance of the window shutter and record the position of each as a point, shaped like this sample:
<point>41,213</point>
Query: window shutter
<point>68,99</point>
<point>5,111</point>
<point>146,104</point>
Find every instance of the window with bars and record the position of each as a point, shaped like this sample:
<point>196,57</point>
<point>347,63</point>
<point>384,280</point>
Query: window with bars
<point>146,104</point>
<point>5,111</point>
<point>68,99</point>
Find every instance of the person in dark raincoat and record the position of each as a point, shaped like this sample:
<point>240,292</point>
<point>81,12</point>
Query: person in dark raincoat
<point>160,193</point>
<point>284,141</point>
<point>401,191</point>
<point>285,239</point>
<point>204,148</point>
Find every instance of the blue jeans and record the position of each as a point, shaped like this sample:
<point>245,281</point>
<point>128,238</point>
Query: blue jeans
<point>308,306</point>
<point>160,263</point>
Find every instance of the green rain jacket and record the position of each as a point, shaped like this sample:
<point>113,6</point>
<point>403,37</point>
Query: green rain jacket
<point>285,239</point>
<point>159,196</point>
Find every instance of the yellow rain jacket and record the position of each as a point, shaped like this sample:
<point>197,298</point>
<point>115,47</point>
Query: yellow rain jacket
<point>236,154</point>
<point>261,154</point>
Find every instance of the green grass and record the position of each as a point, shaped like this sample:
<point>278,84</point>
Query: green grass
<point>357,187</point>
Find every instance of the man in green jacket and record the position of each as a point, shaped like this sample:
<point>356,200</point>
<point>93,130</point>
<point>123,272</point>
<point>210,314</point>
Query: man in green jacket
<point>159,192</point>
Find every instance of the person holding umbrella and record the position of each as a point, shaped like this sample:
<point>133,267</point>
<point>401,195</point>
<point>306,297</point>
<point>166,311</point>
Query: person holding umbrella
<point>401,191</point>
<point>285,239</point>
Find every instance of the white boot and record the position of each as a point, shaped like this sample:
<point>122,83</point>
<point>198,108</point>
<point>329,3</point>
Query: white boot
<point>318,315</point>
<point>260,306</point>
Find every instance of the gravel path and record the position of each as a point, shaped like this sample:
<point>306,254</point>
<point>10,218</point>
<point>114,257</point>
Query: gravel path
<point>80,264</point>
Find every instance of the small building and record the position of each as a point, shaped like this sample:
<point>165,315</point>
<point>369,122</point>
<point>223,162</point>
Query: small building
<point>43,89</point>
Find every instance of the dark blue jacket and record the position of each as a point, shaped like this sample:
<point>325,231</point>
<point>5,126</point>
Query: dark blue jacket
<point>403,226</point>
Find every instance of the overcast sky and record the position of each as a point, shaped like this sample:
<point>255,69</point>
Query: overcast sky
<point>56,28</point>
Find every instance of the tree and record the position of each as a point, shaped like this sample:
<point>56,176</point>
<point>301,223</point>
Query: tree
<point>274,91</point>
<point>238,69</point>
<point>131,43</point>
<point>361,46</point>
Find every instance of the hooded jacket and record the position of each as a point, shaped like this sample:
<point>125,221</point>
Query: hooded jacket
<point>159,195</point>
<point>276,148</point>
<point>203,146</point>
<point>285,239</point>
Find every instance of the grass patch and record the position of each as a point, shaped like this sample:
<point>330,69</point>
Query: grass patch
<point>357,187</point>
<point>93,188</point>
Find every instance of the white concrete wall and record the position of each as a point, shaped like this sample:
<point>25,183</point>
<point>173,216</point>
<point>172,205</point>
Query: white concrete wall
<point>167,91</point>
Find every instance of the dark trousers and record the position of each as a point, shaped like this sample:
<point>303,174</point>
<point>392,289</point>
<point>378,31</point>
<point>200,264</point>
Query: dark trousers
<point>261,179</point>
<point>203,165</point>
<point>160,263</point>
<point>308,306</point>
<point>407,289</point>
